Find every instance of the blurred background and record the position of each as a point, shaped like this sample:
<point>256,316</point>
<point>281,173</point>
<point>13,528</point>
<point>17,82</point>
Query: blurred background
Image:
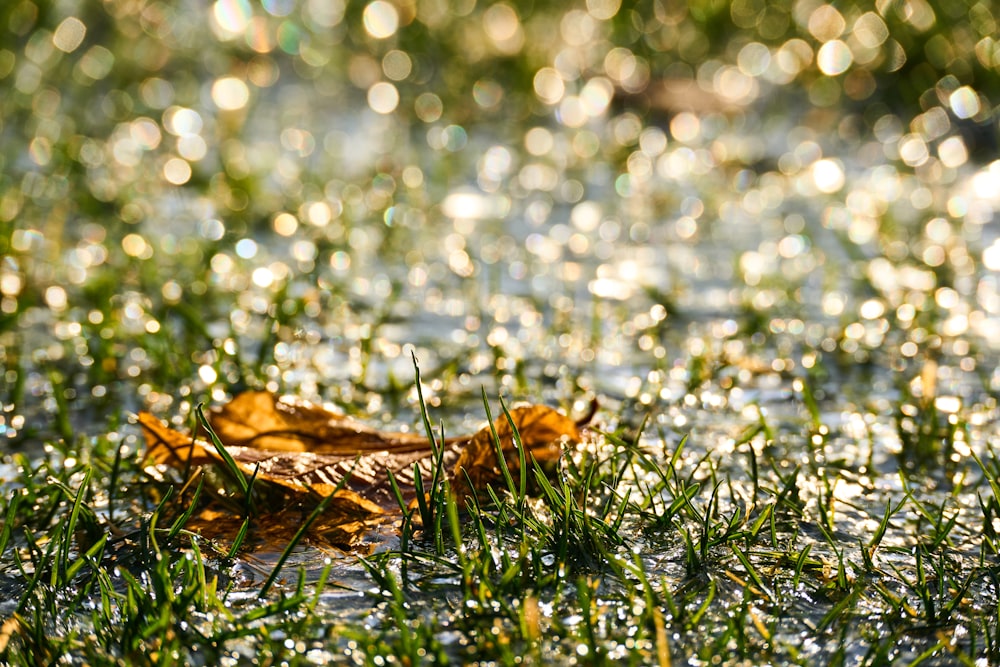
<point>657,202</point>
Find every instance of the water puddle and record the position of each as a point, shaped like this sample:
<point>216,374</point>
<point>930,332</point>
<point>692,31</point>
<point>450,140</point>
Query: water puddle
<point>780,282</point>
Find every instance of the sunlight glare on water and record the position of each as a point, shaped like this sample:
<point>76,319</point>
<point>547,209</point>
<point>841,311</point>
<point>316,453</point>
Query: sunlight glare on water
<point>232,16</point>
<point>381,19</point>
<point>770,230</point>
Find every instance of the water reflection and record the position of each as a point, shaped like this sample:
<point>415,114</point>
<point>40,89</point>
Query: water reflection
<point>597,198</point>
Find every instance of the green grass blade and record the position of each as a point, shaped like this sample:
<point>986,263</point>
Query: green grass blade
<point>304,528</point>
<point>299,534</point>
<point>519,447</point>
<point>241,536</point>
<point>498,448</point>
<point>36,576</point>
<point>800,564</point>
<point>8,523</point>
<point>74,516</point>
<point>424,416</point>
<point>90,557</point>
<point>182,520</point>
<point>437,452</point>
<point>227,458</point>
<point>397,492</point>
<point>751,571</point>
<point>423,506</point>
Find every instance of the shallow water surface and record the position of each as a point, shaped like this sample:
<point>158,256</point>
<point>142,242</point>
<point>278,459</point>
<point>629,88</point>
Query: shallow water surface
<point>780,281</point>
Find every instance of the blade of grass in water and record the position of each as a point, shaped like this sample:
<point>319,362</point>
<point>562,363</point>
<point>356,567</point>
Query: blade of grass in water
<point>231,466</point>
<point>425,504</point>
<point>299,534</point>
<point>304,528</point>
<point>522,488</point>
<point>182,520</point>
<point>515,492</point>
<point>246,485</point>
<point>8,524</point>
<point>74,516</point>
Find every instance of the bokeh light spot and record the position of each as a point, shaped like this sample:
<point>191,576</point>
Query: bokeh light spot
<point>232,16</point>
<point>278,7</point>
<point>603,9</point>
<point>428,107</point>
<point>381,19</point>
<point>56,297</point>
<point>685,127</point>
<point>180,121</point>
<point>285,224</point>
<point>486,93</point>
<point>572,112</point>
<point>69,35</point>
<point>192,147</point>
<point>991,256</point>
<point>870,30</point>
<point>964,102</point>
<point>318,213</point>
<point>826,23</point>
<point>135,245</point>
<point>246,248</point>
<point>754,59</point>
<point>290,38</point>
<point>503,28</point>
<point>262,277</point>
<point>96,63</point>
<point>913,150</point>
<point>953,152</point>
<point>828,175</point>
<point>794,56</point>
<point>207,374</point>
<point>177,171</point>
<point>596,96</point>
<point>549,85</point>
<point>146,133</point>
<point>834,58</point>
<point>230,93</point>
<point>538,141</point>
<point>383,97</point>
<point>397,65</point>
<point>40,150</point>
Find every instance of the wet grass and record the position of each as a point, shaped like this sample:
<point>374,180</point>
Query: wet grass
<point>787,308</point>
<point>644,549</point>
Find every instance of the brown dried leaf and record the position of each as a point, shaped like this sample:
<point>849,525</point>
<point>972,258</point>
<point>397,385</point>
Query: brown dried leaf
<point>10,626</point>
<point>544,432</point>
<point>356,508</point>
<point>264,421</point>
<point>165,445</point>
<point>366,476</point>
<point>367,482</point>
<point>303,448</point>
